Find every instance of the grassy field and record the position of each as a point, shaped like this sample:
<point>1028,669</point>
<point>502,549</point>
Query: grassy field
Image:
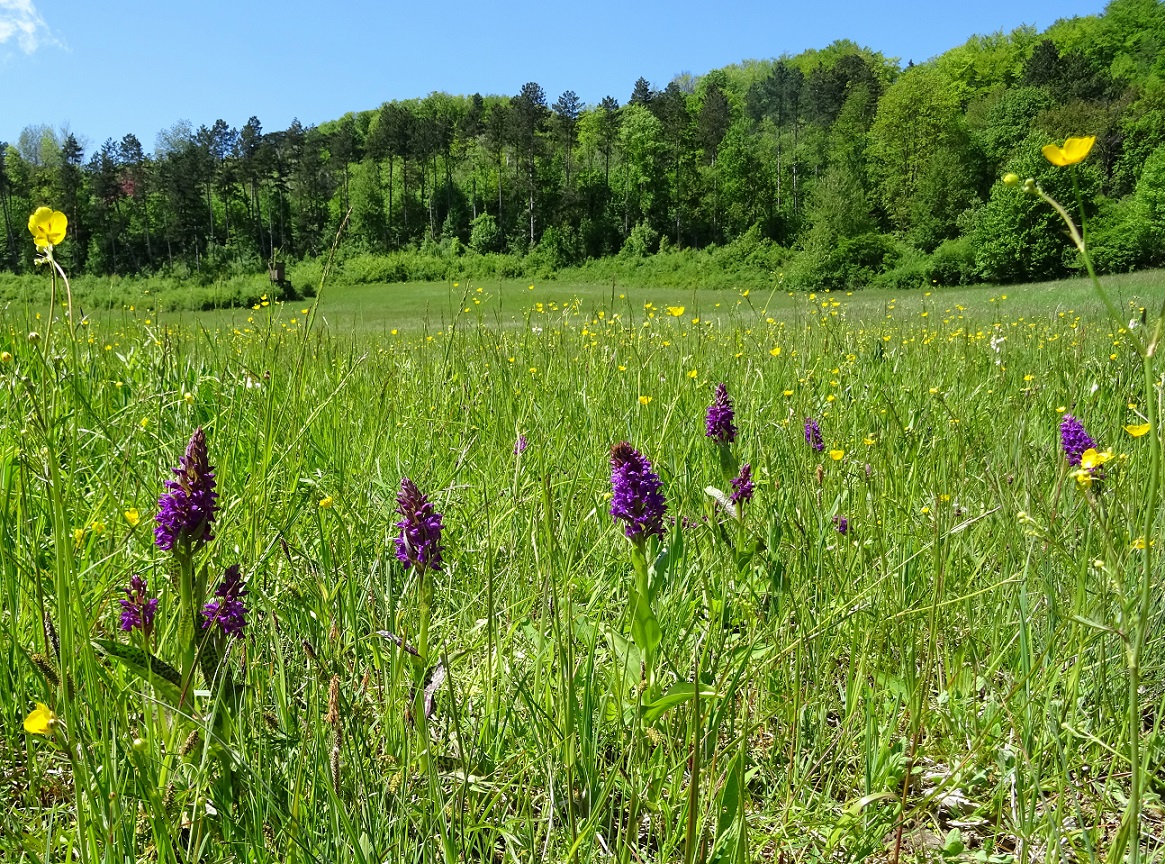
<point>383,308</point>
<point>948,679</point>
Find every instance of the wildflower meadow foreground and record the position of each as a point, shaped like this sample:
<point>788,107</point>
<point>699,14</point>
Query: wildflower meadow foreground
<point>759,578</point>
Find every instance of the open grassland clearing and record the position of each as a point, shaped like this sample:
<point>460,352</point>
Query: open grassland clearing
<point>912,642</point>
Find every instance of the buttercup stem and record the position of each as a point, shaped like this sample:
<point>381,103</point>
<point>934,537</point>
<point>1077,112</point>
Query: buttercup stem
<point>1135,636</point>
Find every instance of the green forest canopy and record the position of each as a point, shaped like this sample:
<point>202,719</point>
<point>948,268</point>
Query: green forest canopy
<point>836,165</point>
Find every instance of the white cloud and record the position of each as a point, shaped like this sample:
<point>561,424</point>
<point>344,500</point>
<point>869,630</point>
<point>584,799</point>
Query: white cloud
<point>20,21</point>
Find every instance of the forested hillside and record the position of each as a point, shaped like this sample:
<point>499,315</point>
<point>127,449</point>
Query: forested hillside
<point>834,167</point>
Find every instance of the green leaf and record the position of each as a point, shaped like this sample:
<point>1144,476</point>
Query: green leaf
<point>667,562</point>
<point>644,625</point>
<point>775,533</point>
<point>677,694</point>
<point>953,843</point>
<point>165,678</point>
<point>731,845</point>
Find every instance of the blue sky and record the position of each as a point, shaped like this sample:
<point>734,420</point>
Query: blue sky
<point>107,67</point>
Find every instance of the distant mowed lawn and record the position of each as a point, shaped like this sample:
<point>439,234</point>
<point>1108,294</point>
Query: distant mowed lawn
<point>414,305</point>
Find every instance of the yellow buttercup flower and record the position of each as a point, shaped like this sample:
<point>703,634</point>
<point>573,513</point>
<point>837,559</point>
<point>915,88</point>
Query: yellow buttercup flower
<point>326,502</point>
<point>675,311</point>
<point>836,455</point>
<point>1137,430</point>
<point>1092,458</point>
<point>47,226</point>
<point>40,721</point>
<point>644,400</point>
<point>132,516</point>
<point>776,351</point>
<point>1073,151</point>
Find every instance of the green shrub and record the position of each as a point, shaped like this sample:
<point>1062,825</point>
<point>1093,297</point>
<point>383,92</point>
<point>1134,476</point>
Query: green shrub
<point>484,234</point>
<point>853,263</point>
<point>641,242</point>
<point>560,247</point>
<point>1018,237</point>
<point>910,271</point>
<point>953,262</point>
<point>1150,198</point>
<point>1120,237</point>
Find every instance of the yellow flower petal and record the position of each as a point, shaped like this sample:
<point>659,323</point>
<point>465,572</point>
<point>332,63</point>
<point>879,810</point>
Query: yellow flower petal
<point>1138,429</point>
<point>1073,151</point>
<point>836,455</point>
<point>48,226</point>
<point>675,311</point>
<point>1092,458</point>
<point>326,502</point>
<point>132,516</point>
<point>40,721</point>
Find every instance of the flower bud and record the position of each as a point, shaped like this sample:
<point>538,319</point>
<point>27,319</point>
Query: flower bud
<point>33,337</point>
<point>5,357</point>
<point>1029,186</point>
<point>1010,179</point>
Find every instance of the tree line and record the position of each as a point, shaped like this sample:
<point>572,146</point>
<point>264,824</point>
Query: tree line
<point>840,162</point>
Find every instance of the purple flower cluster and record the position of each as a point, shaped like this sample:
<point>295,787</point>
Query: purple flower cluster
<point>227,612</point>
<point>137,610</point>
<point>520,445</point>
<point>637,499</point>
<point>841,523</point>
<point>419,541</point>
<point>813,435</point>
<point>1074,439</point>
<point>186,508</point>
<point>718,423</point>
<point>742,485</point>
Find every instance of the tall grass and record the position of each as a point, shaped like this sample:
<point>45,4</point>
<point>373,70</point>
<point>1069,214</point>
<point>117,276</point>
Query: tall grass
<point>949,678</point>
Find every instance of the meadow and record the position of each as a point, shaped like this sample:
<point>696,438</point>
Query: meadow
<point>912,643</point>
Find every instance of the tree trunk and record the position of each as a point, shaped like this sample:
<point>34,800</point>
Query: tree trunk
<point>210,210</point>
<point>389,231</point>
<point>9,233</point>
<point>778,166</point>
<point>404,194</point>
<point>795,131</point>
<point>146,222</point>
